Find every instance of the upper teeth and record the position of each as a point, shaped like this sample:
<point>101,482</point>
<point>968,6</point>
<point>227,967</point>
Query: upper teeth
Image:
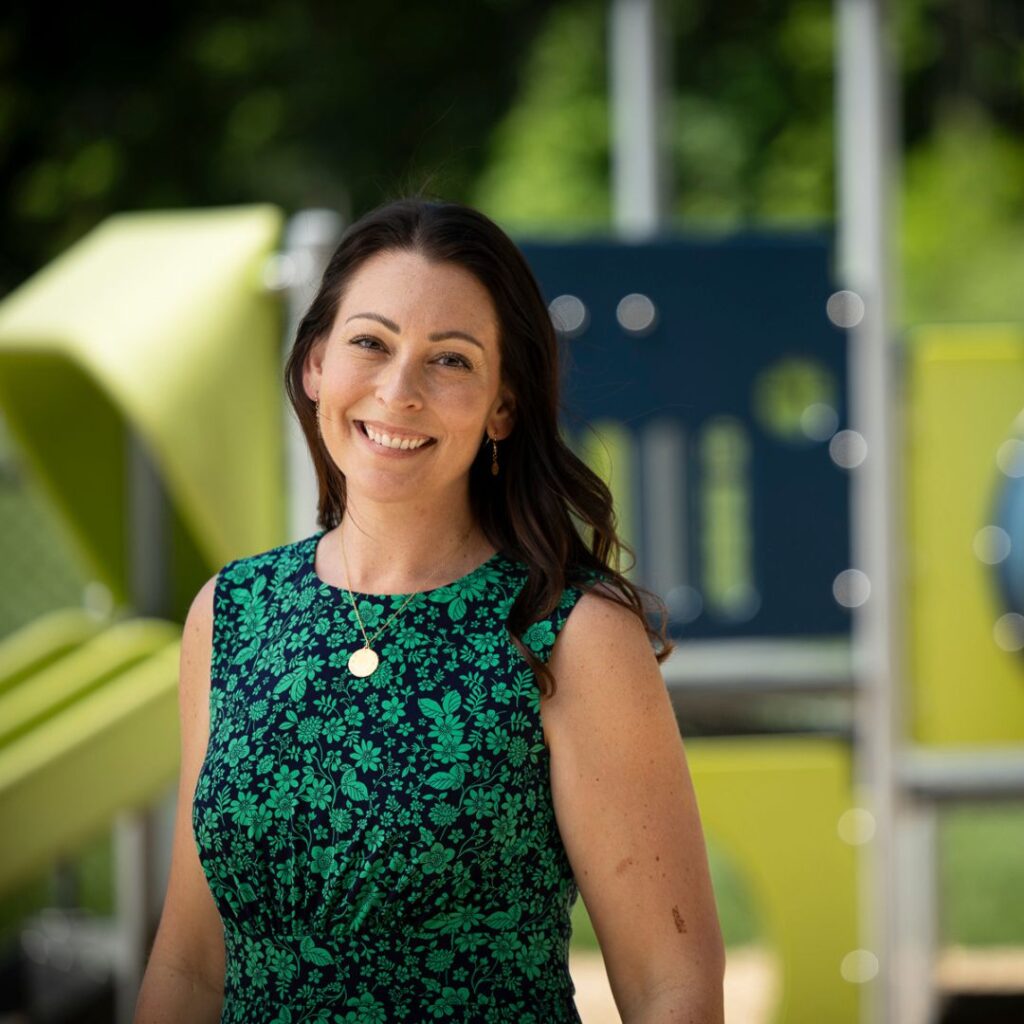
<point>394,442</point>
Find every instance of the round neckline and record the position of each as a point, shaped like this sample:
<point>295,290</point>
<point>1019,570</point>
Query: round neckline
<point>311,566</point>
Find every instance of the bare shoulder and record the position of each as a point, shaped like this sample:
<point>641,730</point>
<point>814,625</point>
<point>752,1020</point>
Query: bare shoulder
<point>605,650</point>
<point>604,669</point>
<point>199,621</point>
<point>597,607</point>
<point>194,664</point>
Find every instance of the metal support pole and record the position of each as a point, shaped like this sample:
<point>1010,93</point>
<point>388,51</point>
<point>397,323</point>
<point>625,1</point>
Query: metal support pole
<point>640,74</point>
<point>309,239</point>
<point>916,867</point>
<point>134,844</point>
<point>867,101</point>
<point>137,832</point>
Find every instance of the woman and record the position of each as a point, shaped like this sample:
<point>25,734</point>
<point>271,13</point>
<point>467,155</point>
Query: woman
<point>379,818</point>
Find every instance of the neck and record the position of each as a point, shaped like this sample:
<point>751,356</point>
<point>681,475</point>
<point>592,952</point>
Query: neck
<point>421,552</point>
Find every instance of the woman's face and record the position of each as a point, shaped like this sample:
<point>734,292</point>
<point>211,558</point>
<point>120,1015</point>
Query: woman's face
<point>414,347</point>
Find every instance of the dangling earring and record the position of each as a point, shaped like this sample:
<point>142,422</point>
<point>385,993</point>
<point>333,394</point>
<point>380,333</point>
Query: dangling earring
<point>318,431</point>
<point>494,460</point>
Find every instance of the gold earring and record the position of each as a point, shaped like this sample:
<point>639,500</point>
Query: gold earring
<point>494,460</point>
<point>318,431</point>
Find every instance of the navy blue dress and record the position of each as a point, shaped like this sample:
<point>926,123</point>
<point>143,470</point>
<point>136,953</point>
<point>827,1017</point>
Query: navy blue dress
<point>381,848</point>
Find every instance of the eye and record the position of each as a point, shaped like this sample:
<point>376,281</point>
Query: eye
<point>356,341</point>
<point>461,361</point>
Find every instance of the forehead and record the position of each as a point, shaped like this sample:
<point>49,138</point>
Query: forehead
<point>419,295</point>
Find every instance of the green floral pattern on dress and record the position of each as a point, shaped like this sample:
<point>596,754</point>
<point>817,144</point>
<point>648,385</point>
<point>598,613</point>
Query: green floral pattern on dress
<point>382,848</point>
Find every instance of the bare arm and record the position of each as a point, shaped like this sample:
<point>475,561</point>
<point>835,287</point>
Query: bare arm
<point>629,819</point>
<point>685,1004</point>
<point>184,978</point>
<point>170,995</point>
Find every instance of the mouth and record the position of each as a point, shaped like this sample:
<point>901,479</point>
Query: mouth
<point>362,429</point>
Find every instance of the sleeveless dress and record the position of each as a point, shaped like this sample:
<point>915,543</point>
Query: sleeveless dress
<point>382,848</point>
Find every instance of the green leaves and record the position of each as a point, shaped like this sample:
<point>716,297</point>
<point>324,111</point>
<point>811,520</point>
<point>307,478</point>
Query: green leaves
<point>451,779</point>
<point>504,919</point>
<point>310,951</point>
<point>351,787</point>
<point>450,703</point>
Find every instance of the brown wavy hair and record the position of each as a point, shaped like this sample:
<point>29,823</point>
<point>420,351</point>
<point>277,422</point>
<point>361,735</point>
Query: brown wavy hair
<point>531,509</point>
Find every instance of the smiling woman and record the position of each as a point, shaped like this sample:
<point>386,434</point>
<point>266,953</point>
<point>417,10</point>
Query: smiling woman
<point>413,738</point>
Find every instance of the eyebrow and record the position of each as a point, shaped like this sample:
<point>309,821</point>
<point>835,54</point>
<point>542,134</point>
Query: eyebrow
<point>436,336</point>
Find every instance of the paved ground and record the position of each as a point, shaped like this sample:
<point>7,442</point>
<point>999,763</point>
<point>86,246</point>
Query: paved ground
<point>750,980</point>
<point>993,969</point>
<point>749,987</point>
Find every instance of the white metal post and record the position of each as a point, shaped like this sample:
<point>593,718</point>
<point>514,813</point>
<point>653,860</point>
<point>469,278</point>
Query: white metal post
<point>867,125</point>
<point>310,237</point>
<point>639,57</point>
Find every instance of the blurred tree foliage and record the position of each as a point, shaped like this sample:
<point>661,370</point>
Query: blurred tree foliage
<point>199,103</point>
<point>752,136</point>
<point>503,103</point>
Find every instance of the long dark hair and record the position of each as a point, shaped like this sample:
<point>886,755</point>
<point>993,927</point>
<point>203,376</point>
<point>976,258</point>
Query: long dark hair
<point>527,510</point>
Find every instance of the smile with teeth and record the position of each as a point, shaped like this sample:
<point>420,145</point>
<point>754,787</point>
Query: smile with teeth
<point>386,441</point>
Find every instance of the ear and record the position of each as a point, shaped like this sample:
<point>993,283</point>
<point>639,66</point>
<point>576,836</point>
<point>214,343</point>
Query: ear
<point>312,371</point>
<point>503,418</point>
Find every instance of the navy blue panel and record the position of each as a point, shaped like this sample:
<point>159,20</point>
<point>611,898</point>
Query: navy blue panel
<point>728,312</point>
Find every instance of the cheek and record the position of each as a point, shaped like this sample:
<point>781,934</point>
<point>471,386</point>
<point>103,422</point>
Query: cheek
<point>349,378</point>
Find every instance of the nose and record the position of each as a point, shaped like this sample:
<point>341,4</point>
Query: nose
<point>399,386</point>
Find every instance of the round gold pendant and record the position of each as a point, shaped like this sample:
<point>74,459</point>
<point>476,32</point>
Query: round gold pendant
<point>363,662</point>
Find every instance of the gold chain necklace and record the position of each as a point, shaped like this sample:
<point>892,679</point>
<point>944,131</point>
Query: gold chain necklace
<point>364,660</point>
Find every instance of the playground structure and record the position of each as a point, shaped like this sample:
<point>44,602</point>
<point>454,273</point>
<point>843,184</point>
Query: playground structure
<point>750,491</point>
<point>89,707</point>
